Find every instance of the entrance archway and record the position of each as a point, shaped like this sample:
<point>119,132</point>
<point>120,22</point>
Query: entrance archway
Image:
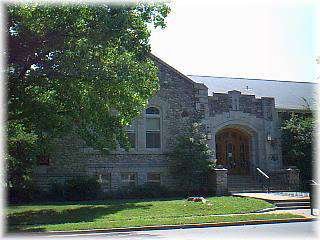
<point>233,150</point>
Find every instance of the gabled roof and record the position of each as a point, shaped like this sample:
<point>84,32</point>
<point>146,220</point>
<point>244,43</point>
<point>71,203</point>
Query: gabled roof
<point>288,95</point>
<point>159,61</point>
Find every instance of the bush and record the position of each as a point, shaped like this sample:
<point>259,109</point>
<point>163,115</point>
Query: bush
<point>143,191</point>
<point>190,159</point>
<point>297,145</point>
<point>75,189</point>
<point>82,188</point>
<point>56,191</point>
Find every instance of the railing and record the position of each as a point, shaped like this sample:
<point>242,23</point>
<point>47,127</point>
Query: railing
<point>261,177</point>
<point>265,177</point>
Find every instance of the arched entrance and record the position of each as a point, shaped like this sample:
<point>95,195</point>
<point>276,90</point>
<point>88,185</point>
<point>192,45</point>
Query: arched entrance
<point>233,150</point>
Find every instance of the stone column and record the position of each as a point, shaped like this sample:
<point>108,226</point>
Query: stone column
<point>293,178</point>
<point>218,181</point>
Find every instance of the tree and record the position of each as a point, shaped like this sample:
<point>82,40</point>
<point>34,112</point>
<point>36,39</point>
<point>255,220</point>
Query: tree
<point>77,68</point>
<point>297,143</point>
<point>190,159</point>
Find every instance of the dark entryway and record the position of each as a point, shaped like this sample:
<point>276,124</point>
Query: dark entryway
<point>233,150</point>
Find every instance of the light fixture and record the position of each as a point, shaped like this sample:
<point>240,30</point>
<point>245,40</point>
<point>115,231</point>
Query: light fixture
<point>269,137</point>
<point>209,136</point>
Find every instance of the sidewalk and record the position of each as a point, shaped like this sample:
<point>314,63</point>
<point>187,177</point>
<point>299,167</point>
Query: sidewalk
<point>303,212</point>
<point>305,217</point>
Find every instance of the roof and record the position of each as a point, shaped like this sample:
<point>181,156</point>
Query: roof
<point>288,95</point>
<point>158,60</point>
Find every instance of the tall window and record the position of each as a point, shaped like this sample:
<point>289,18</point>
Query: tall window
<point>153,128</point>
<point>131,135</point>
<point>242,151</point>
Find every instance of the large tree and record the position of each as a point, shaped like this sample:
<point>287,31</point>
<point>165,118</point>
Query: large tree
<point>76,68</point>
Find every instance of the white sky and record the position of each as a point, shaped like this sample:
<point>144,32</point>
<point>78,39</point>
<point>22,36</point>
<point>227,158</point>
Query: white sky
<point>250,39</point>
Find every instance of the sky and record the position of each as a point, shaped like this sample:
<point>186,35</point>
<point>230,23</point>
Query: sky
<point>250,39</point>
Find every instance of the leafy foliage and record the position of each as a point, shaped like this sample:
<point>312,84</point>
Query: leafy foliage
<point>190,159</point>
<point>77,68</point>
<point>297,143</point>
<point>82,188</point>
<point>146,190</point>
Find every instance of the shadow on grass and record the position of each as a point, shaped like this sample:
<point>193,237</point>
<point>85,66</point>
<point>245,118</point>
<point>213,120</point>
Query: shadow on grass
<point>17,222</point>
<point>98,202</point>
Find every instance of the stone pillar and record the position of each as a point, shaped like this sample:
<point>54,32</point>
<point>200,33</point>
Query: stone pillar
<point>218,181</point>
<point>293,178</point>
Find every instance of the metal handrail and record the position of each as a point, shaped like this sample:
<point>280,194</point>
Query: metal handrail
<point>262,173</point>
<point>265,176</point>
<point>261,176</point>
<point>313,182</point>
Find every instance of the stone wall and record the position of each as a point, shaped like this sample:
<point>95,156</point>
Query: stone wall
<point>254,116</point>
<point>218,181</point>
<point>234,100</point>
<point>179,100</point>
<point>176,101</point>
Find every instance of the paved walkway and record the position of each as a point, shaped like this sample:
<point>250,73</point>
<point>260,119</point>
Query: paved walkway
<point>271,196</point>
<point>290,231</point>
<point>303,212</point>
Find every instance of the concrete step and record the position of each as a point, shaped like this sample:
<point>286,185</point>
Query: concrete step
<point>292,203</point>
<point>293,207</point>
<point>246,182</point>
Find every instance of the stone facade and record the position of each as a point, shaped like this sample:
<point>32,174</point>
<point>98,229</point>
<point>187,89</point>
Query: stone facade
<point>257,117</point>
<point>218,181</point>
<point>178,100</point>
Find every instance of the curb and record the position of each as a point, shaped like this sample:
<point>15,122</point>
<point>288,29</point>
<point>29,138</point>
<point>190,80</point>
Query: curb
<point>183,226</point>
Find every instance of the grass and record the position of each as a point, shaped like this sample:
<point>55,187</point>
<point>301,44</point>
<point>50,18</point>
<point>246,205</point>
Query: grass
<point>126,213</point>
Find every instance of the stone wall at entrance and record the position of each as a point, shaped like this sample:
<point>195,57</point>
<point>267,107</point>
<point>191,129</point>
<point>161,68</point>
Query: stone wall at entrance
<point>253,116</point>
<point>218,181</point>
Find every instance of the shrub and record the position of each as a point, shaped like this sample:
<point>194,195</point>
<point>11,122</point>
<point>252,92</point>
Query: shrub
<point>143,191</point>
<point>56,191</point>
<point>297,144</point>
<point>190,159</point>
<point>74,189</point>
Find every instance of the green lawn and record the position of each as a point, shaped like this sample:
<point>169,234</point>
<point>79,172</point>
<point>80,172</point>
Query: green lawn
<point>125,213</point>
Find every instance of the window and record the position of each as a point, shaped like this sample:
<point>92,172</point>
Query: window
<point>154,178</point>
<point>131,133</point>
<point>105,180</point>
<point>152,110</point>
<point>153,128</point>
<point>229,152</point>
<point>129,179</point>
<point>43,160</point>
<point>242,151</point>
<point>218,153</point>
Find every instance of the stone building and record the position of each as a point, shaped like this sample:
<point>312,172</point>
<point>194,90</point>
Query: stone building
<point>242,128</point>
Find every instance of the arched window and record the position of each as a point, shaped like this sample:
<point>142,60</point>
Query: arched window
<point>153,128</point>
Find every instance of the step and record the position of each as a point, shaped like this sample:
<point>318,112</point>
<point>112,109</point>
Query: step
<point>293,207</point>
<point>289,204</point>
<point>245,186</point>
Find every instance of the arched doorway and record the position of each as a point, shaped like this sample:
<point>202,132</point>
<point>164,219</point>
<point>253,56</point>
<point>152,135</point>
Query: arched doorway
<point>233,150</point>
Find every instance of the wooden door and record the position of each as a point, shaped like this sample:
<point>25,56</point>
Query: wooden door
<point>232,150</point>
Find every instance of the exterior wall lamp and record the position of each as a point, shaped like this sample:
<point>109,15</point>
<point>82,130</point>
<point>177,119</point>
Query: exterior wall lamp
<point>269,137</point>
<point>209,135</point>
